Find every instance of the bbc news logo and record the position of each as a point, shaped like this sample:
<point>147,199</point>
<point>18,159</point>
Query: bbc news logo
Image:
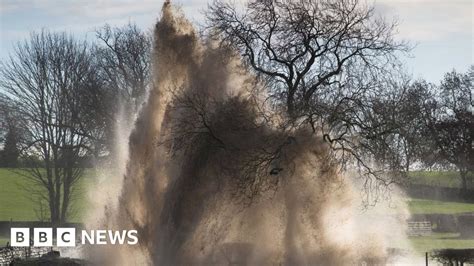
<point>66,237</point>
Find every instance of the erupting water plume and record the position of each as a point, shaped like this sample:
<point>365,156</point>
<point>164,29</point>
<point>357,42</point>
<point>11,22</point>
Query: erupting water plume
<point>213,179</point>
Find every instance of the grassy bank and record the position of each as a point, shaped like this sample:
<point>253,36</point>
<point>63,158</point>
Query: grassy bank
<point>440,241</point>
<point>421,206</point>
<point>449,179</point>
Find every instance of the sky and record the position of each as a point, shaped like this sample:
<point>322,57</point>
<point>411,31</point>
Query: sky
<point>442,31</point>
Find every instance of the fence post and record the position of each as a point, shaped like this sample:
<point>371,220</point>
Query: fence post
<point>426,258</point>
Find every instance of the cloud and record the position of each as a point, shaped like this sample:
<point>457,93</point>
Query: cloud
<point>430,20</point>
<point>11,5</point>
<point>90,8</point>
<point>433,24</point>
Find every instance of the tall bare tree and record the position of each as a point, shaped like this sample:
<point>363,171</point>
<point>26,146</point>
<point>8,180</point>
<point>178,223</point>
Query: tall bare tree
<point>45,78</point>
<point>305,46</point>
<point>329,63</point>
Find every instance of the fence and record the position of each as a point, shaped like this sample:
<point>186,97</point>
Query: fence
<point>419,228</point>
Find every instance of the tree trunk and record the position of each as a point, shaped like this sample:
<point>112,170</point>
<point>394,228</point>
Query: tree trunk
<point>463,179</point>
<point>290,104</point>
<point>463,174</point>
<point>408,164</point>
<point>66,198</point>
<point>55,220</point>
<point>51,202</point>
<point>68,172</point>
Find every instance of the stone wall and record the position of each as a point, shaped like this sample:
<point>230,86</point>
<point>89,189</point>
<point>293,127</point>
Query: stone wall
<point>8,254</point>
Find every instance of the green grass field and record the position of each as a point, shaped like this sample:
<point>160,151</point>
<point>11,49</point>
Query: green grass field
<point>440,241</point>
<point>421,206</point>
<point>17,204</point>
<point>437,178</point>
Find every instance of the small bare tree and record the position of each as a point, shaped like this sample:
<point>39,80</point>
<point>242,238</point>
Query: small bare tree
<point>450,123</point>
<point>10,134</point>
<point>124,57</point>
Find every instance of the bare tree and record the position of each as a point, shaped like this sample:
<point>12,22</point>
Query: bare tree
<point>411,122</point>
<point>451,123</point>
<point>305,46</point>
<point>401,122</point>
<point>331,64</point>
<point>45,78</point>
<point>10,134</point>
<point>124,58</point>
